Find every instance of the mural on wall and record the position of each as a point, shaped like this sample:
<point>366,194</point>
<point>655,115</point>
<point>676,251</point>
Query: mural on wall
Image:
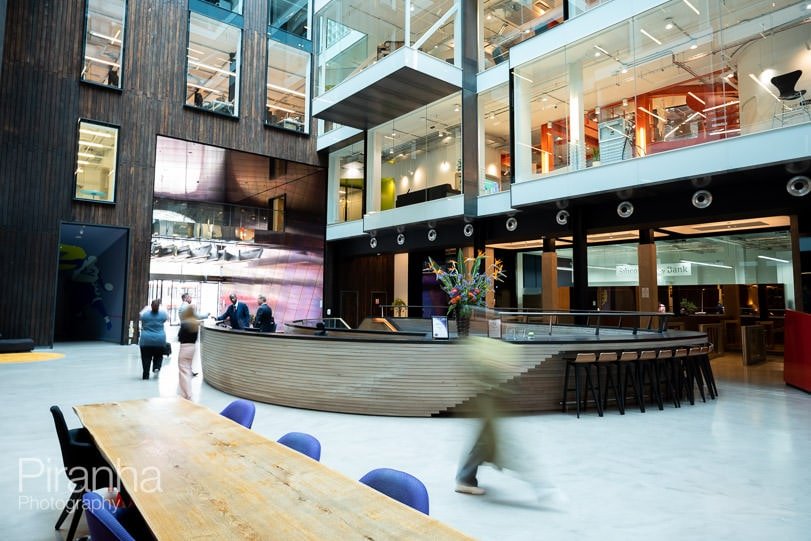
<point>91,283</point>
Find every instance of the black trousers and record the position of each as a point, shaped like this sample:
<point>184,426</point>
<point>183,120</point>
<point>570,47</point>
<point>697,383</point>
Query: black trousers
<point>151,355</point>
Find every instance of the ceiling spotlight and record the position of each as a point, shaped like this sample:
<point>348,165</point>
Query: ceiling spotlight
<point>468,230</point>
<point>562,217</point>
<point>400,239</point>
<point>799,186</point>
<point>702,199</point>
<point>669,23</point>
<point>625,209</point>
<point>373,242</point>
<point>511,224</point>
<point>432,235</point>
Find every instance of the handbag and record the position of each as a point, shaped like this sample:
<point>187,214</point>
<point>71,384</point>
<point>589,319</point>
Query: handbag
<point>167,349</point>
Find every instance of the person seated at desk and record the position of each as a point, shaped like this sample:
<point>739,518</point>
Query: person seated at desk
<point>237,314</point>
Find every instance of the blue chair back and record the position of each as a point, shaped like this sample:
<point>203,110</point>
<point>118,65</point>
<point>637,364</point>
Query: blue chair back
<point>101,521</point>
<point>303,443</point>
<point>240,411</point>
<point>399,485</point>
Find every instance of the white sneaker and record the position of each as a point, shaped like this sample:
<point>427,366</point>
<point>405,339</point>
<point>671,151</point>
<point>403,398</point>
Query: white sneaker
<point>469,489</point>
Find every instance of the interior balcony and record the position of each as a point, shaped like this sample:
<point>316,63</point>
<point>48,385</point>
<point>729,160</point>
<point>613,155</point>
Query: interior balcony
<point>396,84</point>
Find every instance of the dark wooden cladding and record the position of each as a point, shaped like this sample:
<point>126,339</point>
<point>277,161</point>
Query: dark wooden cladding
<point>364,275</point>
<point>41,100</point>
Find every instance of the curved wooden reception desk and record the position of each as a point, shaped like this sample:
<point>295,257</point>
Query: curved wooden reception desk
<point>389,374</point>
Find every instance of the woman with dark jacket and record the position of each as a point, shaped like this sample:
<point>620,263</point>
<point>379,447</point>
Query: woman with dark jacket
<point>152,340</point>
<point>187,336</point>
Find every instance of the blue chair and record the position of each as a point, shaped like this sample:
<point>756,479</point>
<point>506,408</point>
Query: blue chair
<point>240,411</point>
<point>398,485</point>
<point>102,521</point>
<point>303,443</point>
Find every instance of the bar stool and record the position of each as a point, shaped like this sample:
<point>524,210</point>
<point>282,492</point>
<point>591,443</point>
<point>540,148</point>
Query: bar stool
<point>630,367</point>
<point>609,360</point>
<point>582,362</point>
<point>648,371</point>
<point>668,367</point>
<point>703,370</point>
<point>685,381</point>
<point>694,372</point>
<point>706,367</point>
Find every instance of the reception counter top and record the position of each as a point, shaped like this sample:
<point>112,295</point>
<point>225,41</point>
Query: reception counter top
<point>386,374</point>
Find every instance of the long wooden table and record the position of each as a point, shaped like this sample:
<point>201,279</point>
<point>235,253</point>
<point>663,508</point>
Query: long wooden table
<point>194,474</point>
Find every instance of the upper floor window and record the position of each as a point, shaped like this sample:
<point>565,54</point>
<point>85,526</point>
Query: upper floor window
<point>104,41</point>
<point>96,161</point>
<point>214,57</point>
<point>234,6</point>
<point>288,87</point>
<point>291,16</point>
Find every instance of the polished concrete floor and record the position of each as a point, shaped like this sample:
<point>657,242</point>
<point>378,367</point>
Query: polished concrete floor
<point>735,468</point>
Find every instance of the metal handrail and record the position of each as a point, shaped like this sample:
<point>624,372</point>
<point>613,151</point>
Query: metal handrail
<point>554,315</point>
<point>598,315</point>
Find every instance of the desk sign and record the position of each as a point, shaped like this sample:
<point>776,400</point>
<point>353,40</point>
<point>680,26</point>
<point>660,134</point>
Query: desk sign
<point>439,326</point>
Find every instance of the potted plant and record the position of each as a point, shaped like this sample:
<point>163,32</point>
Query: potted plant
<point>687,307</point>
<point>466,284</point>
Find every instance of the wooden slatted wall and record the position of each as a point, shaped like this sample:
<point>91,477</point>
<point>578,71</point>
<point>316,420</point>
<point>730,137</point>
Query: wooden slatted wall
<point>41,100</point>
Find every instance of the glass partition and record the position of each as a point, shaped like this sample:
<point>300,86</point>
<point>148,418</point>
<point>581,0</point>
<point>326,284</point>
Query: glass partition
<point>288,87</point>
<point>506,23</point>
<point>579,7</point>
<point>542,136</point>
<point>494,144</point>
<point>96,162</point>
<point>679,75</point>
<point>352,36</point>
<point>347,182</point>
<point>214,57</point>
<point>291,16</point>
<point>234,6</point>
<point>420,154</point>
<point>104,41</point>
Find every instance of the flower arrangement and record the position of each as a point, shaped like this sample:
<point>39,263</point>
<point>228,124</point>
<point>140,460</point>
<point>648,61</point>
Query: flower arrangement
<point>465,282</point>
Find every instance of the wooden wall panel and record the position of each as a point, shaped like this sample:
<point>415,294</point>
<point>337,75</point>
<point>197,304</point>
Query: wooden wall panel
<point>41,100</point>
<point>364,274</point>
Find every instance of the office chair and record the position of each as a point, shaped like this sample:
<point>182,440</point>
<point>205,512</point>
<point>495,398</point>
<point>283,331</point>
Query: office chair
<point>303,443</point>
<point>398,485</point>
<point>102,520</point>
<point>84,466</point>
<point>785,84</point>
<point>240,411</point>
